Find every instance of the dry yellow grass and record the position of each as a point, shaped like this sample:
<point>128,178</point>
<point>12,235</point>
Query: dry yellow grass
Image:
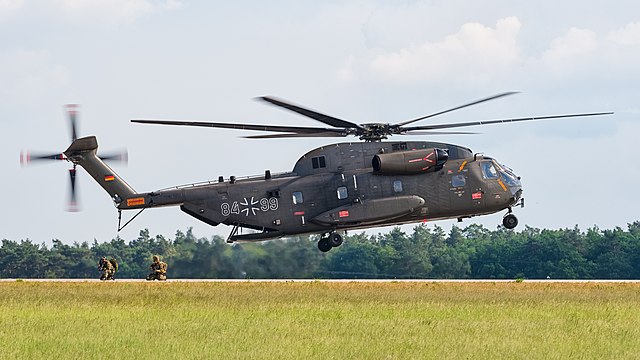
<point>302,320</point>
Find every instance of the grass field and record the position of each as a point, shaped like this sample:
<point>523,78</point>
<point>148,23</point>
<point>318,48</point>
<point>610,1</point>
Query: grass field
<point>317,320</point>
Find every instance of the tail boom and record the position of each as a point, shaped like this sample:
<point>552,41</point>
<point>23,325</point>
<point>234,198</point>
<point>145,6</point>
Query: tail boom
<point>83,152</point>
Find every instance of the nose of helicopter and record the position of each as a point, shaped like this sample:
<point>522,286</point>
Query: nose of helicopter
<point>516,191</point>
<point>513,183</point>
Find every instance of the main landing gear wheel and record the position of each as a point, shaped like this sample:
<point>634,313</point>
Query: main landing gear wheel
<point>510,221</point>
<point>324,245</point>
<point>329,240</point>
<point>335,239</point>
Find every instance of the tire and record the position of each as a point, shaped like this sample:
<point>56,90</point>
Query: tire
<point>510,221</point>
<point>324,245</point>
<point>335,240</point>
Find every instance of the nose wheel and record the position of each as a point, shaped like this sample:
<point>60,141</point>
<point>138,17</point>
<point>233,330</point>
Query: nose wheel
<point>329,240</point>
<point>510,221</point>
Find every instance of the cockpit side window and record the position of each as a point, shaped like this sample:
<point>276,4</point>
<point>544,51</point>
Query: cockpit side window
<point>342,193</point>
<point>318,162</point>
<point>458,181</point>
<point>397,186</point>
<point>489,171</point>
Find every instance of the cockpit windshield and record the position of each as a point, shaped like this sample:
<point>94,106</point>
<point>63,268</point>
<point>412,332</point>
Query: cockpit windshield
<point>508,176</point>
<point>493,170</point>
<point>489,170</point>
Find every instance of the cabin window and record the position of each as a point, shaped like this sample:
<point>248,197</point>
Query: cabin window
<point>488,170</point>
<point>342,193</point>
<point>399,146</point>
<point>318,162</point>
<point>458,181</point>
<point>297,197</point>
<point>397,186</point>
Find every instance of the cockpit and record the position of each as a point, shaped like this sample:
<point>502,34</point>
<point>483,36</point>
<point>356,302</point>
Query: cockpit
<point>491,169</point>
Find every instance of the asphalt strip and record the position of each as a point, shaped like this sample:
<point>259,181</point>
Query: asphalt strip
<point>332,280</point>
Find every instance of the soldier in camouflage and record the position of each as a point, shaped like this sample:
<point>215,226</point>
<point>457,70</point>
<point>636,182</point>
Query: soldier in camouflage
<point>106,268</point>
<point>158,269</point>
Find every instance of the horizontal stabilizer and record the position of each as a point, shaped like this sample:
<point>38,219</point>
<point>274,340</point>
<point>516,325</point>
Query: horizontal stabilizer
<point>84,144</point>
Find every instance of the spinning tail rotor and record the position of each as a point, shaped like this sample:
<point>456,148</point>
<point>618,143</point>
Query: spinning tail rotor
<point>26,158</point>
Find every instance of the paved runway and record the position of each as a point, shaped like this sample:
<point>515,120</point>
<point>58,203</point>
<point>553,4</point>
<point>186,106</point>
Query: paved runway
<point>334,280</point>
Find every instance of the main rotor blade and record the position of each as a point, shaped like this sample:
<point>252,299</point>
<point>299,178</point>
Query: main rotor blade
<point>329,120</point>
<point>418,132</point>
<point>276,128</point>
<point>459,107</point>
<point>297,135</point>
<point>488,122</point>
<point>72,112</point>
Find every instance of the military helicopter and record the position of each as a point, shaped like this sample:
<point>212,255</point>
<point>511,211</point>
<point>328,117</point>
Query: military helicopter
<point>336,187</point>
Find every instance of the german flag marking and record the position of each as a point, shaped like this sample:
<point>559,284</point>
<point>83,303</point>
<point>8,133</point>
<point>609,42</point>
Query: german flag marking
<point>109,178</point>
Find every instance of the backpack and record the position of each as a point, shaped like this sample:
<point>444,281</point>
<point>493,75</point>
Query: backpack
<point>114,263</point>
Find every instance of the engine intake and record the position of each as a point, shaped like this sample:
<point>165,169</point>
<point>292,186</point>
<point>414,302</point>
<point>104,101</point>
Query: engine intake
<point>410,162</point>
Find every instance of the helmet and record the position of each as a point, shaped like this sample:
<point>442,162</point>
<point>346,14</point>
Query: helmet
<point>156,258</point>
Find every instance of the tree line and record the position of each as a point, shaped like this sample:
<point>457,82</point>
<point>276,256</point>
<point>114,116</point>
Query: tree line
<point>471,252</point>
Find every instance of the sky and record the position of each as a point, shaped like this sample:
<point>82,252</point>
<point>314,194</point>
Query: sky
<point>363,61</point>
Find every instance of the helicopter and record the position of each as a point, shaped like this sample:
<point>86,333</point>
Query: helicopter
<point>333,188</point>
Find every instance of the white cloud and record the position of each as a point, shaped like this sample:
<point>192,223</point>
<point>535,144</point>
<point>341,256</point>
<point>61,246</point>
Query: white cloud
<point>9,6</point>
<point>172,4</point>
<point>112,12</point>
<point>346,73</point>
<point>570,49</point>
<point>107,10</point>
<point>474,51</point>
<point>25,74</point>
<point>480,54</point>
<point>628,35</point>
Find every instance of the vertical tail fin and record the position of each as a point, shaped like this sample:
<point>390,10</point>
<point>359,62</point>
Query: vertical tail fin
<point>83,152</point>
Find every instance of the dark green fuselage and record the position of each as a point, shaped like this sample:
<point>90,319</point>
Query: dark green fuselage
<point>336,187</point>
